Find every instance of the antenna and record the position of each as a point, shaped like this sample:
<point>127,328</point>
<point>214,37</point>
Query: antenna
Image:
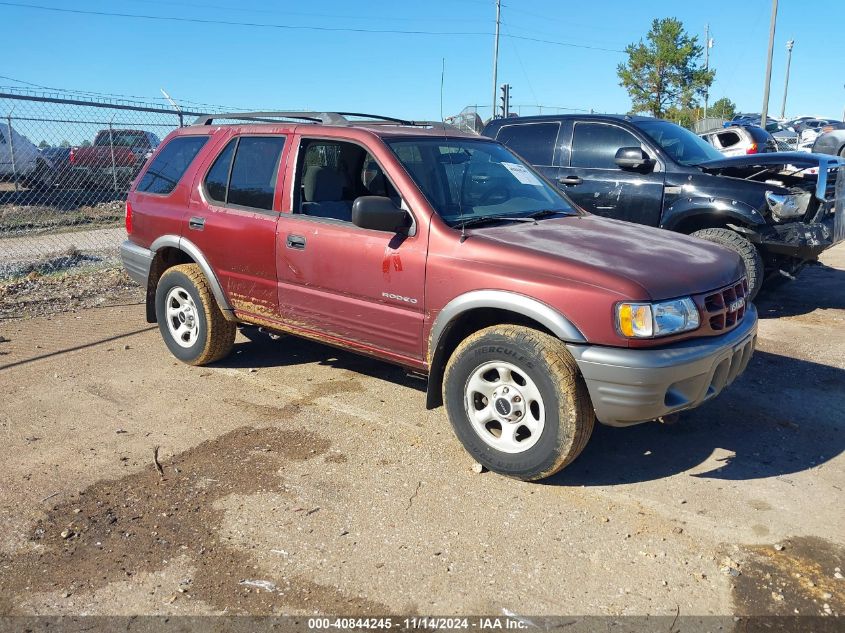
<point>442,77</point>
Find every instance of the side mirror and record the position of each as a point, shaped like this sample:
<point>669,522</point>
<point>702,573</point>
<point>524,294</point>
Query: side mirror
<point>633,158</point>
<point>379,214</point>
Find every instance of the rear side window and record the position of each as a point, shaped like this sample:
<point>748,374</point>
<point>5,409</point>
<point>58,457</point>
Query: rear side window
<point>245,172</point>
<point>729,139</point>
<point>595,145</point>
<point>170,164</point>
<point>535,142</point>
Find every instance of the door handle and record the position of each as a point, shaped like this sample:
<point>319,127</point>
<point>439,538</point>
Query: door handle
<point>570,180</point>
<point>296,241</point>
<point>196,223</point>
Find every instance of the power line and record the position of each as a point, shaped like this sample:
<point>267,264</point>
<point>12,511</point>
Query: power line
<point>162,18</point>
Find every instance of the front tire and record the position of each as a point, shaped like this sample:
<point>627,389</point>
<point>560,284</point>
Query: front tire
<point>189,319</point>
<point>751,257</point>
<point>517,402</point>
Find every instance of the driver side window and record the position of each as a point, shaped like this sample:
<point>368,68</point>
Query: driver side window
<point>332,174</point>
<point>594,145</point>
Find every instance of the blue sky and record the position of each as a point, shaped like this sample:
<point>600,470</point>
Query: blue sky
<point>399,73</point>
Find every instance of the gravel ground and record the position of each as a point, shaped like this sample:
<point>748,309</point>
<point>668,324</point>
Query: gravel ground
<point>296,478</point>
<point>39,294</point>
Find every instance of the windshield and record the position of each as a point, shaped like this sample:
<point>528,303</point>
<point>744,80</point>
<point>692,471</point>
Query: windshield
<point>682,145</point>
<point>467,179</point>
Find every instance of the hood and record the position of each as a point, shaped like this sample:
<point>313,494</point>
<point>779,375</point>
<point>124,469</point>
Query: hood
<point>663,264</point>
<point>768,159</point>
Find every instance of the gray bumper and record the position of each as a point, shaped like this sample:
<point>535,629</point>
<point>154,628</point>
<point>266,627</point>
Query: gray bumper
<point>628,386</point>
<point>137,261</point>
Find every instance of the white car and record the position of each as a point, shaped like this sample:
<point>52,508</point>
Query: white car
<point>739,140</point>
<point>21,160</point>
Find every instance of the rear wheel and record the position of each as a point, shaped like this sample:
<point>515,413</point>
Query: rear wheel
<point>746,250</point>
<point>517,402</point>
<point>189,319</point>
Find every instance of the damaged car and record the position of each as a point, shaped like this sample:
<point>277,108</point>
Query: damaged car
<point>779,211</point>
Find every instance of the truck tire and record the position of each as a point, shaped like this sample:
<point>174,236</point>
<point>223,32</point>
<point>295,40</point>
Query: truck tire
<point>746,250</point>
<point>517,402</point>
<point>189,319</point>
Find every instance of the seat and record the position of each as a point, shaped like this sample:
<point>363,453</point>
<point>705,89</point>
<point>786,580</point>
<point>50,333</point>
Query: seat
<point>322,191</point>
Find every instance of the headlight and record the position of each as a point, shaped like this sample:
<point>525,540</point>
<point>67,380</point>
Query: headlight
<point>649,320</point>
<point>787,206</point>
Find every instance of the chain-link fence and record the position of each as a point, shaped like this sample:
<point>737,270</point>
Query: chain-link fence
<point>65,167</point>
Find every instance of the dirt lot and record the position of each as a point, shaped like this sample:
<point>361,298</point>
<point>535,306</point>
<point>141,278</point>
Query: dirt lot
<point>297,478</point>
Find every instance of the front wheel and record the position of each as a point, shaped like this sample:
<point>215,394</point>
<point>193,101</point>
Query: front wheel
<point>189,319</point>
<point>746,250</point>
<point>517,402</point>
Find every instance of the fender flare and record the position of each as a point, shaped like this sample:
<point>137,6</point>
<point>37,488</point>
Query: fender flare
<point>735,211</point>
<point>187,246</point>
<point>536,310</point>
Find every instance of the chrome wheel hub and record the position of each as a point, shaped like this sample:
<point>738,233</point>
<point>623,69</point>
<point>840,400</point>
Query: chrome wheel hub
<point>504,407</point>
<point>181,313</point>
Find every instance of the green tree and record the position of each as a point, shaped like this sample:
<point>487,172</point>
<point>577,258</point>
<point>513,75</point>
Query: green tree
<point>43,145</point>
<point>664,73</point>
<point>64,143</point>
<point>723,108</point>
<point>85,143</point>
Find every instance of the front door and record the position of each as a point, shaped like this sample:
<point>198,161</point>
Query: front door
<point>363,286</point>
<point>596,183</point>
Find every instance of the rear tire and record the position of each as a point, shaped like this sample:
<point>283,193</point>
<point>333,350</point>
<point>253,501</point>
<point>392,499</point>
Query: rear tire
<point>746,250</point>
<point>189,319</point>
<point>517,402</point>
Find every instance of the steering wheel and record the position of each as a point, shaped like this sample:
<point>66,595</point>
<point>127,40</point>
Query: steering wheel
<point>495,195</point>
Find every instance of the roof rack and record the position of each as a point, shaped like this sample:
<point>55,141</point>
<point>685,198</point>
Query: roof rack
<point>323,118</point>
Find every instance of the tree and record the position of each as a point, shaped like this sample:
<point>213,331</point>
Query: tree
<point>664,73</point>
<point>43,145</point>
<point>64,143</point>
<point>723,108</point>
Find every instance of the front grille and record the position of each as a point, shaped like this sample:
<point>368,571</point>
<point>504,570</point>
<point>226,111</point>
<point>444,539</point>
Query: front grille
<point>723,309</point>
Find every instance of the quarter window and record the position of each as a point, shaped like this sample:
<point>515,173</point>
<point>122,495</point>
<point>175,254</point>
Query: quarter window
<point>170,164</point>
<point>535,142</point>
<point>594,145</point>
<point>245,172</point>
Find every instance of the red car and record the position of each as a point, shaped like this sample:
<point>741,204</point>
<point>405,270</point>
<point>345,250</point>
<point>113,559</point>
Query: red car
<point>442,252</point>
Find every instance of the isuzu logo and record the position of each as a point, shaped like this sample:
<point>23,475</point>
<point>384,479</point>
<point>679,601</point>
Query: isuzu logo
<point>736,305</point>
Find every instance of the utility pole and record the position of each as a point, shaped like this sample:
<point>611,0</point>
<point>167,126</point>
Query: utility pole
<point>496,54</point>
<point>765,111</point>
<point>707,45</point>
<point>789,46</point>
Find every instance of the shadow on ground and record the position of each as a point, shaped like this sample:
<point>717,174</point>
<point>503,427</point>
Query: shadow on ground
<point>784,415</point>
<point>261,350</point>
<point>818,286</point>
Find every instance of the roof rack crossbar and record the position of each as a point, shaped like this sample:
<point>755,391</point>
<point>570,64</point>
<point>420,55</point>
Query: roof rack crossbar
<point>325,118</point>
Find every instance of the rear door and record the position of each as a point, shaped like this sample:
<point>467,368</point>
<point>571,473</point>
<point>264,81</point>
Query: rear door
<point>535,142</point>
<point>233,216</point>
<point>596,183</point>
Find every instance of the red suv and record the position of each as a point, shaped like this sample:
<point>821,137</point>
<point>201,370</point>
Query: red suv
<point>442,252</point>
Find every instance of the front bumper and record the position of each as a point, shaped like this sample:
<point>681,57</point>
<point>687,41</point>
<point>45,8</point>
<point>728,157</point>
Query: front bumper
<point>629,386</point>
<point>803,240</point>
<point>137,261</point>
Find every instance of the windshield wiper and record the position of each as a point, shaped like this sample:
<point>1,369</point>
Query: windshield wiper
<point>545,213</point>
<point>484,219</point>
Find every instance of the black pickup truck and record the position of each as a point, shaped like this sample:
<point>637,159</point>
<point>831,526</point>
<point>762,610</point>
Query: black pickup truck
<point>778,211</point>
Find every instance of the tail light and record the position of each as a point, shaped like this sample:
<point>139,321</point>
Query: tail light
<point>752,149</point>
<point>72,156</point>
<point>128,217</point>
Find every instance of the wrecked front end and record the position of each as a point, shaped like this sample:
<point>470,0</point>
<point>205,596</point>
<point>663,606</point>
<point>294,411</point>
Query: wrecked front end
<point>805,207</point>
